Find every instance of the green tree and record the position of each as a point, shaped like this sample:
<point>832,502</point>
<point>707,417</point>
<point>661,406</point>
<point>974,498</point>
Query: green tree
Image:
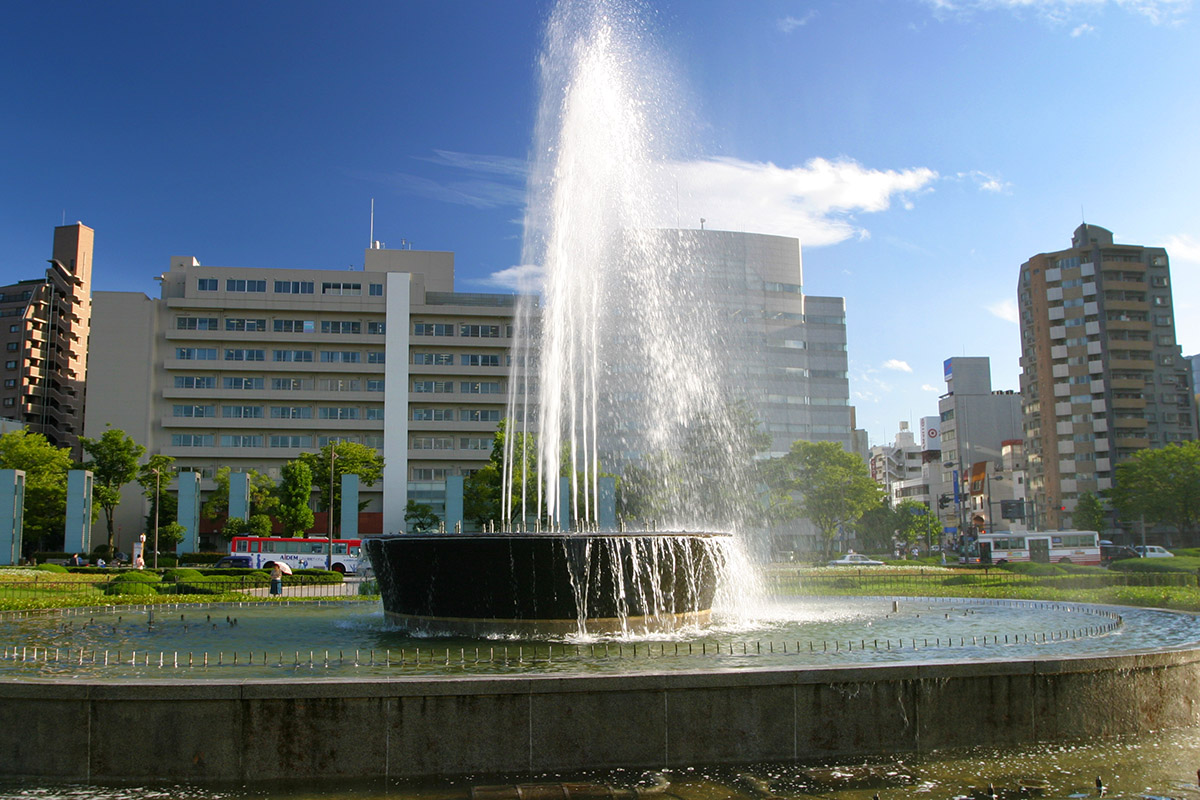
<point>170,535</point>
<point>1089,513</point>
<point>295,495</point>
<point>876,529</point>
<point>155,478</point>
<point>824,484</point>
<point>917,525</point>
<point>46,468</point>
<point>262,494</point>
<point>348,458</point>
<point>419,517</point>
<point>481,495</point>
<point>113,463</point>
<point>1163,485</point>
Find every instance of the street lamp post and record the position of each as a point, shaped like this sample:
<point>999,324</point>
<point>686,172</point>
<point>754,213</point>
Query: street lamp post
<point>157,478</point>
<point>329,551</point>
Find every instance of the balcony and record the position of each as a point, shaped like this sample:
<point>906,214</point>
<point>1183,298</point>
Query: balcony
<point>1128,403</point>
<point>1131,364</point>
<point>1132,442</point>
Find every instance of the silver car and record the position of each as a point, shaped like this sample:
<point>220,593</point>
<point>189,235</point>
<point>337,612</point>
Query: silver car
<point>855,560</point>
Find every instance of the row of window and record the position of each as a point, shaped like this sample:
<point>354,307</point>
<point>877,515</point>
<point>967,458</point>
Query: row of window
<point>208,411</point>
<point>289,441</point>
<point>465,359</point>
<point>451,414</point>
<point>464,387</point>
<point>469,331</point>
<point>279,384</point>
<point>288,287</point>
<point>259,325</point>
<point>447,443</point>
<point>252,354</point>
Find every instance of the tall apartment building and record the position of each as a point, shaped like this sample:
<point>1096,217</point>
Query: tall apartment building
<point>44,328</point>
<point>1102,374</point>
<point>250,367</point>
<point>976,422</point>
<point>909,469</point>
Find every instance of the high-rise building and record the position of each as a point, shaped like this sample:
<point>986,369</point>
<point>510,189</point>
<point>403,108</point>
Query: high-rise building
<point>1102,374</point>
<point>44,327</point>
<point>250,367</point>
<point>976,422</point>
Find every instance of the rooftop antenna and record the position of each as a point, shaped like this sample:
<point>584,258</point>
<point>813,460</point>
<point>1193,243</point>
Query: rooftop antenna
<point>702,221</point>
<point>371,240</point>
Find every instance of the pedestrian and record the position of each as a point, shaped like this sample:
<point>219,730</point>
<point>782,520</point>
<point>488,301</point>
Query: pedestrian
<point>276,578</point>
<point>139,562</point>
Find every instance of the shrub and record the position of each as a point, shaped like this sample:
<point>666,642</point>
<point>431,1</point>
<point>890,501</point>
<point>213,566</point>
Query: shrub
<point>1177,564</point>
<point>176,574</point>
<point>136,576</point>
<point>51,568</point>
<point>962,580</point>
<point>1033,568</point>
<point>128,588</point>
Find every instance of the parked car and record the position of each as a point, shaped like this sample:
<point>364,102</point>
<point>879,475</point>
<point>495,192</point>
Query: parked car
<point>1152,551</point>
<point>233,561</point>
<point>855,560</point>
<point>1110,552</point>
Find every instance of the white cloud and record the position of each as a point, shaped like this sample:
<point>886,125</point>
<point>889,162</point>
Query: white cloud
<point>1182,247</point>
<point>789,24</point>
<point>925,387</point>
<point>985,182</point>
<point>1080,30</point>
<point>897,364</point>
<point>815,201</point>
<point>525,278</point>
<point>1059,12</point>
<point>1005,310</point>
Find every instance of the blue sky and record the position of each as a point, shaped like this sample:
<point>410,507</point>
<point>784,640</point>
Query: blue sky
<point>920,149</point>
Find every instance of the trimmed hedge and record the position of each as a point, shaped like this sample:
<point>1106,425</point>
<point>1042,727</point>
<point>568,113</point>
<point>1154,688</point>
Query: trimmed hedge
<point>52,568</point>
<point>1177,564</point>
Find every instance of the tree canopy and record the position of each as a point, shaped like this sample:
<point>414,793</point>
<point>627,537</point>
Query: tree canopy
<point>824,484</point>
<point>348,458</point>
<point>46,468</point>
<point>262,498</point>
<point>1088,514</point>
<point>1162,485</point>
<point>917,524</point>
<point>113,463</point>
<point>294,493</point>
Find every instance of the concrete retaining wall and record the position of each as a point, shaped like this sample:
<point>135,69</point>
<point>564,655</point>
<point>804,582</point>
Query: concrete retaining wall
<point>333,730</point>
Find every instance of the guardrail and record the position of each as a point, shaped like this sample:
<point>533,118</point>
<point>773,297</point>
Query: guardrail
<point>880,582</point>
<point>110,591</point>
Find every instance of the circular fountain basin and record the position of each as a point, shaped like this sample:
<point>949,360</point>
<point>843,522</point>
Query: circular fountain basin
<point>481,584</point>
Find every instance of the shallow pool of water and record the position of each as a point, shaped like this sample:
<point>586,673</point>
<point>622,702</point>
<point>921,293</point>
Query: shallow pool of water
<point>338,640</point>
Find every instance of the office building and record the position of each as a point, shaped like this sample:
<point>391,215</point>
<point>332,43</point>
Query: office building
<point>44,328</point>
<point>250,367</point>
<point>1102,373</point>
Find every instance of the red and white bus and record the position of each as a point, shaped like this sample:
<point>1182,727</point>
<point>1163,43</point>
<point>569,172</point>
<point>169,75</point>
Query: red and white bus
<point>299,553</point>
<point>1046,547</point>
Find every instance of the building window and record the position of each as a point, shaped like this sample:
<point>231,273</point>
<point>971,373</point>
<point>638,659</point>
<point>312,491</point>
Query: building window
<point>375,413</point>
<point>479,415</point>
<point>241,440</point>
<point>480,360</point>
<point>238,382</point>
<point>480,387</point>
<point>434,359</point>
<point>249,325</point>
<point>337,412</point>
<point>341,288</point>
<point>241,354</point>
<point>421,387</point>
<point>291,412</point>
<point>374,385</point>
<point>192,440</point>
<point>10,365</point>
<point>11,346</point>
<point>293,441</point>
<point>10,383</point>
<point>196,353</point>
<point>295,326</point>
<point>293,287</point>
<point>340,326</point>
<point>196,323</point>
<point>480,331</point>
<point>193,411</point>
<point>475,443</point>
<point>291,384</point>
<point>376,358</point>
<point>376,290</point>
<point>433,329</point>
<point>433,414</point>
<point>340,357</point>
<point>376,327</point>
<point>1162,320</point>
<point>241,412</point>
<point>195,382</point>
<point>304,356</point>
<point>340,385</point>
<point>207,284</point>
<point>239,285</point>
<point>10,402</point>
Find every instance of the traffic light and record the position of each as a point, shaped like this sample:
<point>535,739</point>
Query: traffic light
<point>943,500</point>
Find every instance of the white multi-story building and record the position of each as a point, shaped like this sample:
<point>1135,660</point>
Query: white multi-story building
<point>250,367</point>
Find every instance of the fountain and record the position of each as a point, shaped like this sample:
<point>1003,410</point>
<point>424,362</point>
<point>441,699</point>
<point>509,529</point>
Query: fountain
<point>596,392</point>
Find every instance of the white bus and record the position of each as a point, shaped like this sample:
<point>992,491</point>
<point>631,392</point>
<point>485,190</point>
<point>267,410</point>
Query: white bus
<point>1046,547</point>
<point>299,553</point>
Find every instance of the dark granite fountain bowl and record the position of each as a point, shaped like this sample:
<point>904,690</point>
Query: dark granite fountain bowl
<point>548,583</point>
